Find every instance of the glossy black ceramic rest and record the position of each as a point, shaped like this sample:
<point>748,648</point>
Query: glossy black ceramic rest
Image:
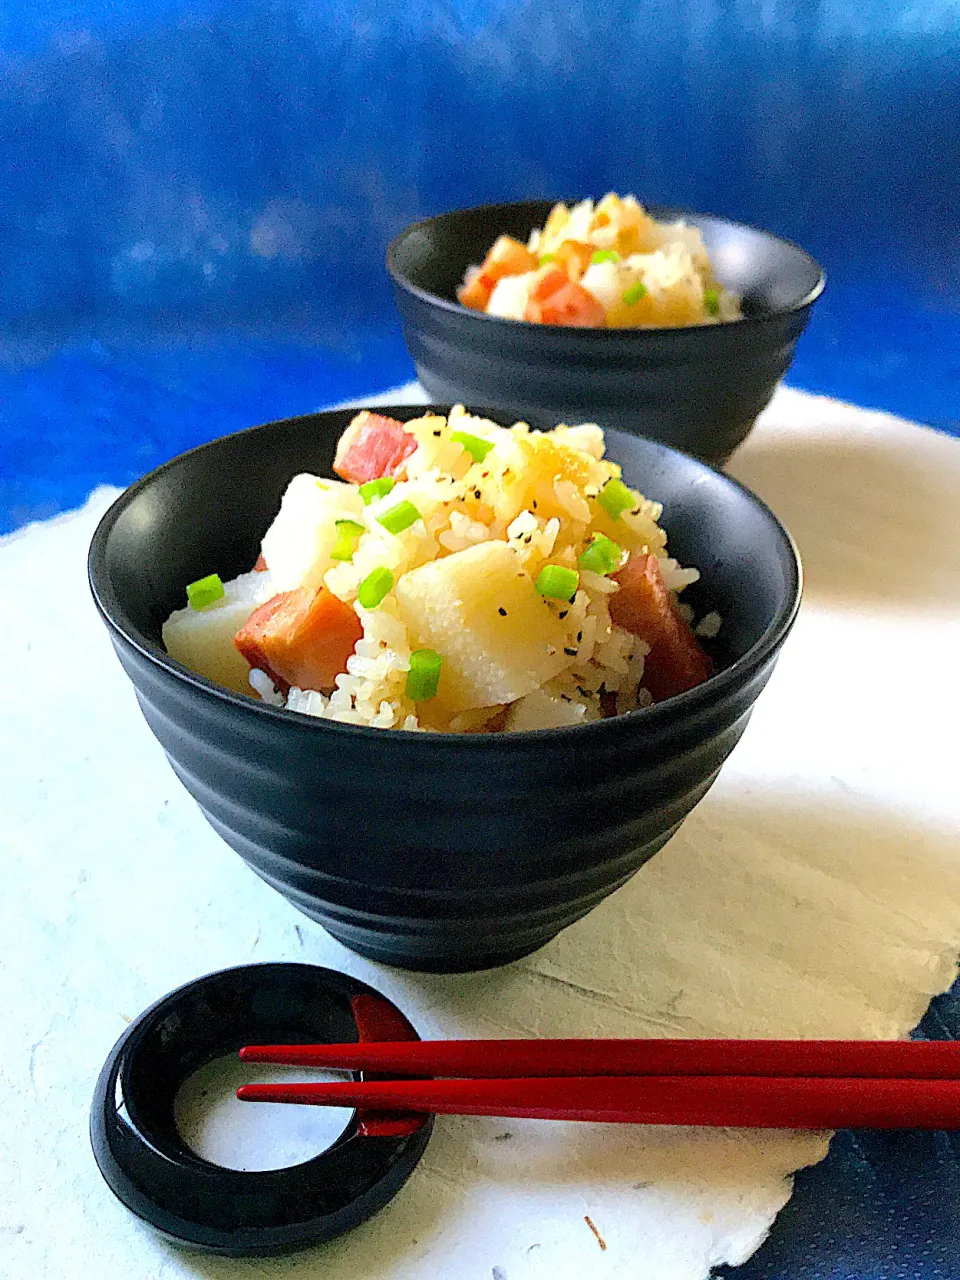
<point>202,1205</point>
<point>434,851</point>
<point>697,388</point>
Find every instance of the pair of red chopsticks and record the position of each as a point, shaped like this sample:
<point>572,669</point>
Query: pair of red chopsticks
<point>782,1084</point>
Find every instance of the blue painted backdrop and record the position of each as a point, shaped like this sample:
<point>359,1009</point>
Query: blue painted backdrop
<point>197,194</point>
<point>195,197</point>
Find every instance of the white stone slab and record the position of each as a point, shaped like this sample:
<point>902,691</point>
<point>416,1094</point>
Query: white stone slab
<point>816,891</point>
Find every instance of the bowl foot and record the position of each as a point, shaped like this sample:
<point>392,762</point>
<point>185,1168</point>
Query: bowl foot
<point>397,956</point>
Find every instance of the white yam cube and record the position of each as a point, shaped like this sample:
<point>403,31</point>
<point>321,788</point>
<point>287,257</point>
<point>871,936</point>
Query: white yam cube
<point>543,710</point>
<point>202,639</point>
<point>481,612</point>
<point>511,295</point>
<point>297,545</point>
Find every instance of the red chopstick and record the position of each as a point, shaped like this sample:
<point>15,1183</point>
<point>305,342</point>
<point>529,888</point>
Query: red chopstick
<point>787,1102</point>
<point>482,1059</point>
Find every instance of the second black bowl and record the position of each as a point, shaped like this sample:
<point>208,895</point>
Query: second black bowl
<point>698,388</point>
<point>427,850</point>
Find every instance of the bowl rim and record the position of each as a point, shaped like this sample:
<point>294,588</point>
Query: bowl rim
<point>593,335</point>
<point>713,690</point>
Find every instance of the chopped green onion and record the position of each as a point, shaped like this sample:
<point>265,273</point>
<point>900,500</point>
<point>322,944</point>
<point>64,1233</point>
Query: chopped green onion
<point>547,257</point>
<point>400,517</point>
<point>634,294</point>
<point>204,591</point>
<point>423,678</point>
<point>375,489</point>
<point>711,301</point>
<point>603,556</point>
<point>374,587</point>
<point>476,446</point>
<point>615,498</point>
<point>558,583</point>
<point>348,535</point>
<point>606,255</point>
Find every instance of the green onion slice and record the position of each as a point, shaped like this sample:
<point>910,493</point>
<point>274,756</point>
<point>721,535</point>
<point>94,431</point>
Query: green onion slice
<point>400,517</point>
<point>606,255</point>
<point>634,294</point>
<point>375,489</point>
<point>423,678</point>
<point>711,302</point>
<point>547,257</point>
<point>615,498</point>
<point>557,582</point>
<point>603,556</point>
<point>204,591</point>
<point>348,535</point>
<point>374,587</point>
<point>476,446</point>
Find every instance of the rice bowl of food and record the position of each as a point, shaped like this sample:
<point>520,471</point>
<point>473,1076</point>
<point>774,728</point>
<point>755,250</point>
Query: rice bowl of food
<point>669,323</point>
<point>455,809</point>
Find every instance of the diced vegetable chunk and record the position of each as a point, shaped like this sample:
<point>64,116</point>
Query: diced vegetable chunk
<point>374,588</point>
<point>372,446</point>
<point>204,591</point>
<point>615,498</point>
<point>400,517</point>
<point>349,533</point>
<point>423,678</point>
<point>202,639</point>
<point>375,489</point>
<point>301,638</point>
<point>478,608</point>
<point>644,606</point>
<point>557,582</point>
<point>603,556</point>
<point>299,544</point>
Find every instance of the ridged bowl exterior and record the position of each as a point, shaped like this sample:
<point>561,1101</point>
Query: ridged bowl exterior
<point>698,389</point>
<point>429,851</point>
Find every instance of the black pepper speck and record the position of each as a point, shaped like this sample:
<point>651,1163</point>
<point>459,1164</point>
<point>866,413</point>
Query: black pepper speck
<point>502,612</point>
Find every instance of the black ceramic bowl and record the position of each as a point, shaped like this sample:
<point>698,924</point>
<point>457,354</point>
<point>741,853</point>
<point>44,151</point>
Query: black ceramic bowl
<point>432,851</point>
<point>698,388</point>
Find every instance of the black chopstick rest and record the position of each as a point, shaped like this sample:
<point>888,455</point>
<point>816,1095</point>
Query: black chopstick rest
<point>192,1202</point>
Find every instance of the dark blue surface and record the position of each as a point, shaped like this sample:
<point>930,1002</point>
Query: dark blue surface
<point>106,410</point>
<point>196,194</point>
<point>882,1206</point>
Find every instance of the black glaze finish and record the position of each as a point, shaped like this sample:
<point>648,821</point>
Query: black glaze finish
<point>697,388</point>
<point>432,851</point>
<point>195,1203</point>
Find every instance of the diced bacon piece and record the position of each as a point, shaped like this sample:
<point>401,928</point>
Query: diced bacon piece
<point>508,257</point>
<point>301,638</point>
<point>372,446</point>
<point>556,299</point>
<point>644,606</point>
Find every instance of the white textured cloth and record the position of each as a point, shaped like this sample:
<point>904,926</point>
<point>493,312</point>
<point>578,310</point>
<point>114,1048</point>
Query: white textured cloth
<point>815,891</point>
